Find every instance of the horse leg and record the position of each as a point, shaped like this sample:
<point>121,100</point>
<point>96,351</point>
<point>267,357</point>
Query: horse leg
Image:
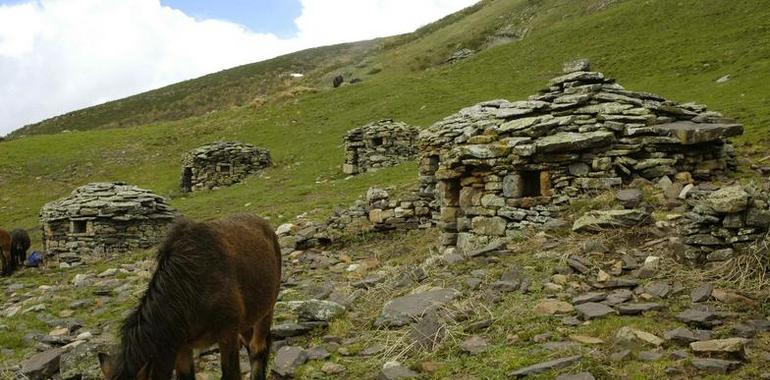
<point>228,351</point>
<point>259,347</point>
<point>185,365</point>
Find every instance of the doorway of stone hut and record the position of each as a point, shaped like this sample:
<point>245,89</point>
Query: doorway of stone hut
<point>187,179</point>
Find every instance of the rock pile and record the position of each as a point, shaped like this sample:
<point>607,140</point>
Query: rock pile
<point>104,219</point>
<point>377,145</point>
<point>222,163</point>
<point>722,222</point>
<point>500,166</point>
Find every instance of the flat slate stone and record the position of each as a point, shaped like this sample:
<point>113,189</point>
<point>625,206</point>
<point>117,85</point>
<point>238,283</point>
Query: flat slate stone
<point>616,283</point>
<point>715,365</point>
<point>681,335</point>
<point>589,297</point>
<point>638,308</point>
<point>702,293</point>
<point>403,310</point>
<point>592,310</point>
<point>576,376</point>
<point>698,317</point>
<point>546,366</point>
<point>690,133</point>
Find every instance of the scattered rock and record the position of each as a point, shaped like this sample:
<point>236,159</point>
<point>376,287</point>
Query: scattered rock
<point>403,310</point>
<point>43,365</point>
<point>731,346</point>
<point>698,317</point>
<point>702,293</point>
<point>715,365</point>
<point>332,368</point>
<point>629,198</point>
<point>584,339</point>
<point>589,297</point>
<point>546,366</point>
<point>638,308</point>
<point>474,344</point>
<point>428,332</point>
<point>627,335</point>
<point>680,335</point>
<point>288,359</point>
<point>552,306</point>
<point>592,310</point>
<point>577,376</point>
<point>395,371</point>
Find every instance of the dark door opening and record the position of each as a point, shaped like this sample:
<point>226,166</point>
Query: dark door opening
<point>377,141</point>
<point>531,184</point>
<point>187,180</point>
<point>79,226</point>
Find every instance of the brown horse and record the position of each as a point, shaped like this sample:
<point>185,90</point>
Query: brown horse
<point>216,282</point>
<point>19,246</point>
<point>5,253</point>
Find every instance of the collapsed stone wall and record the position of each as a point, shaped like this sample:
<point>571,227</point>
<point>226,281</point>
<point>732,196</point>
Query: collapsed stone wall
<point>379,144</point>
<point>221,164</point>
<point>102,219</point>
<point>500,166</point>
<point>723,222</point>
<point>374,212</point>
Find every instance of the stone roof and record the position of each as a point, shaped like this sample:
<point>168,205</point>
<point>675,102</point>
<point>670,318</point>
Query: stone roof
<point>223,149</point>
<point>116,200</point>
<point>379,128</point>
<point>579,102</point>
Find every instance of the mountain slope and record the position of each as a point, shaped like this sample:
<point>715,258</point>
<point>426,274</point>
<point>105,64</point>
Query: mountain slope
<point>692,43</point>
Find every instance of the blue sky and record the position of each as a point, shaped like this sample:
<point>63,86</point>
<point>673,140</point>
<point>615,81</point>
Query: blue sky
<point>262,16</point>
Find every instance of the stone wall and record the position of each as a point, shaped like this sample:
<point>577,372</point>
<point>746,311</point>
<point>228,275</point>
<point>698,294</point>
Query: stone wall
<point>723,222</point>
<point>377,145</point>
<point>102,219</point>
<point>221,164</point>
<point>500,166</point>
<point>374,212</point>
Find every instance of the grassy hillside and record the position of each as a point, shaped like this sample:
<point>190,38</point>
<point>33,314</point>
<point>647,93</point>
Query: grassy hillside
<point>677,49</point>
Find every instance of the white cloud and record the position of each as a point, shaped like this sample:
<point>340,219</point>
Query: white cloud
<point>61,55</point>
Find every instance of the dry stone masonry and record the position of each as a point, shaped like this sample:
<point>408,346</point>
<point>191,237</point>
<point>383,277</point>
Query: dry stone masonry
<point>377,145</point>
<point>726,221</point>
<point>102,219</point>
<point>221,164</point>
<point>499,166</point>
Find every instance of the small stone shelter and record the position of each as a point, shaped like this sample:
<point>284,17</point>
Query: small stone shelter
<point>101,219</point>
<point>379,144</point>
<point>500,166</point>
<point>221,163</point>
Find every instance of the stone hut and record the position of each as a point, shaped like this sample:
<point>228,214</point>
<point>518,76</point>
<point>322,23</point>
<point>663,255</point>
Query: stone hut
<point>221,164</point>
<point>101,219</point>
<point>500,166</point>
<point>379,144</point>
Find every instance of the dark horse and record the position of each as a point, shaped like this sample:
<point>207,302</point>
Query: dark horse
<point>5,253</point>
<point>216,282</point>
<point>19,246</point>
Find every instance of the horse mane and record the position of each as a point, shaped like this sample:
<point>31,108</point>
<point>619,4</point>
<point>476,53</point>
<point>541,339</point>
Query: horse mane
<point>154,330</point>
